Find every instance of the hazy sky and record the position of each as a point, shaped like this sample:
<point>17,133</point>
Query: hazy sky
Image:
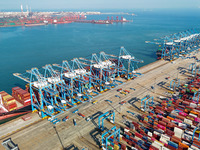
<point>98,4</point>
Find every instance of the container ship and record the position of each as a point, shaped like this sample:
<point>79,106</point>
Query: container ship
<point>102,22</point>
<point>14,105</point>
<point>35,24</point>
<point>159,53</point>
<point>60,22</point>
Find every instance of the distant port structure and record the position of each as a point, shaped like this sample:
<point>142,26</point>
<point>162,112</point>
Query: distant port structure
<point>29,18</point>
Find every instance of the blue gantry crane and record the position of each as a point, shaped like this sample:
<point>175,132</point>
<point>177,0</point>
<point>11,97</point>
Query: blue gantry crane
<point>194,131</point>
<point>175,83</point>
<point>67,74</point>
<point>54,77</point>
<point>83,78</point>
<point>110,115</point>
<point>100,70</point>
<point>109,71</point>
<point>178,44</point>
<point>196,97</point>
<point>144,101</point>
<point>43,95</point>
<point>194,69</point>
<point>55,90</point>
<point>127,63</point>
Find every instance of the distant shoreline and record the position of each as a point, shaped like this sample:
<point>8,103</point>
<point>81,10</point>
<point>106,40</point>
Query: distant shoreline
<point>14,14</point>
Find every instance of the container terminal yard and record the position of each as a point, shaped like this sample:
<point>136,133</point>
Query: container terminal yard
<point>106,102</point>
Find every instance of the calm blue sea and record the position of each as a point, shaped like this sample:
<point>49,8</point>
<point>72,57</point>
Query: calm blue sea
<point>22,48</point>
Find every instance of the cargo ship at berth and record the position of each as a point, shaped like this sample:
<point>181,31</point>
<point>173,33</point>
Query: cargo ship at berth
<point>60,22</point>
<point>34,24</point>
<point>159,53</point>
<point>17,104</point>
<point>102,22</point>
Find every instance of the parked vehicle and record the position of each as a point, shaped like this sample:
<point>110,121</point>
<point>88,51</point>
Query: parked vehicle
<point>65,118</point>
<point>117,96</point>
<point>75,111</point>
<point>80,114</point>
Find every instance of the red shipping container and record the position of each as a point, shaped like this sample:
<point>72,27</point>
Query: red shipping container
<point>11,106</point>
<point>166,120</point>
<point>153,148</point>
<point>123,138</point>
<point>196,142</point>
<point>138,135</point>
<point>171,148</point>
<point>169,132</point>
<point>14,90</point>
<point>175,139</point>
<point>26,117</point>
<point>180,117</point>
<point>24,94</point>
<point>162,123</point>
<point>186,103</point>
<point>27,102</point>
<point>133,139</point>
<point>123,146</point>
<point>3,93</point>
<point>135,124</point>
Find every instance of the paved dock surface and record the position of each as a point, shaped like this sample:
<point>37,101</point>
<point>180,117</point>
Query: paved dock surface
<point>37,134</point>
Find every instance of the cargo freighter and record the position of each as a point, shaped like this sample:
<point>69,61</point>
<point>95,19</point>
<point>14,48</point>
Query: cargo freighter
<point>102,22</point>
<point>159,53</point>
<point>34,24</point>
<point>17,104</point>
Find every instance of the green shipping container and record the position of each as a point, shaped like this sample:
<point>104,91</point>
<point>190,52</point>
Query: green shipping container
<point>110,147</point>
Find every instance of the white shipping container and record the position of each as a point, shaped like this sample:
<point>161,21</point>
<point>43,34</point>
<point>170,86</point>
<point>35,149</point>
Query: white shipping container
<point>188,121</point>
<point>184,142</point>
<point>126,130</point>
<point>194,147</point>
<point>155,132</point>
<point>182,125</point>
<point>193,105</point>
<point>157,146</point>
<point>164,138</point>
<point>150,134</point>
<point>193,115</point>
<point>188,132</point>
<point>178,132</point>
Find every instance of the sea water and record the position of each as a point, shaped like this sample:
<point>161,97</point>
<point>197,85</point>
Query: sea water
<point>22,48</point>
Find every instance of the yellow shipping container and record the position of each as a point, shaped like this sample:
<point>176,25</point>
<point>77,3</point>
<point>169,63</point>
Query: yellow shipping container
<point>116,147</point>
<point>5,98</point>
<point>13,101</point>
<point>13,109</point>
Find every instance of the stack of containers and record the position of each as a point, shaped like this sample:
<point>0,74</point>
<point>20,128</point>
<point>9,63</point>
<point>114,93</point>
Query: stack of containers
<point>21,96</point>
<point>8,101</point>
<point>167,127</point>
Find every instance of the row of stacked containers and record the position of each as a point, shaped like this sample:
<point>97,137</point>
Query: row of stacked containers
<point>170,124</point>
<point>8,101</point>
<point>18,94</point>
<point>21,96</point>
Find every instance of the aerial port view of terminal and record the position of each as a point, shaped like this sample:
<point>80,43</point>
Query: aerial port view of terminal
<point>105,100</point>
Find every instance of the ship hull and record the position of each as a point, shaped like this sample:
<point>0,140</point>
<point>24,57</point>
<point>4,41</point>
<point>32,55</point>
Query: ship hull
<point>19,111</point>
<point>36,24</point>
